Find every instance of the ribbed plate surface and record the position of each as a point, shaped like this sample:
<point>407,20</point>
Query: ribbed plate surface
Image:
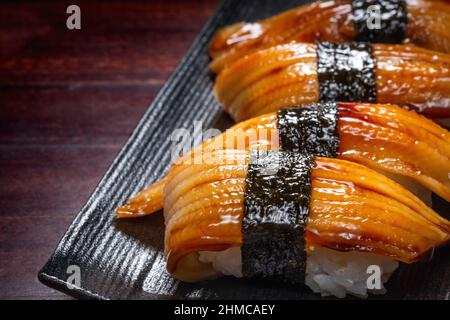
<point>124,259</point>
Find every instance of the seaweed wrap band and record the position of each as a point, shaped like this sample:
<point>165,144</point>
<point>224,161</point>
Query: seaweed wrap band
<point>276,207</point>
<point>346,72</point>
<point>310,128</point>
<point>383,21</point>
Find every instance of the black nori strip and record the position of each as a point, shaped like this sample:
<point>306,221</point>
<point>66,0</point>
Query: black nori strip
<point>392,17</point>
<point>276,207</point>
<point>346,72</point>
<point>310,128</point>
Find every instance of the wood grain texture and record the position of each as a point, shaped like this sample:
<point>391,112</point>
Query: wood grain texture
<point>124,259</point>
<point>69,100</point>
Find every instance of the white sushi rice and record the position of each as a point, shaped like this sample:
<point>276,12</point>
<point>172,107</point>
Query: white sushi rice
<point>331,272</point>
<point>328,272</point>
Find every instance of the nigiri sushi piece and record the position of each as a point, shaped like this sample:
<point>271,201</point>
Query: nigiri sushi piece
<point>409,148</point>
<point>286,75</point>
<point>427,26</point>
<point>355,216</point>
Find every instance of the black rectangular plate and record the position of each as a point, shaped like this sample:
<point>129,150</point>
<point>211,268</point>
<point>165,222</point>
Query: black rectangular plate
<point>124,259</point>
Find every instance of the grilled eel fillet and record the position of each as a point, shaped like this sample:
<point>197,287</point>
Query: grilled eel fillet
<point>428,25</point>
<point>352,208</point>
<point>285,76</point>
<point>383,137</point>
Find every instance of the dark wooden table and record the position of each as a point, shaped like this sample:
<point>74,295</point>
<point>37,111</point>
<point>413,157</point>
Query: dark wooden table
<point>68,102</point>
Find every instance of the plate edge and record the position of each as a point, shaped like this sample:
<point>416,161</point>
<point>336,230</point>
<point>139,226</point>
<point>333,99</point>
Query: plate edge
<point>62,285</point>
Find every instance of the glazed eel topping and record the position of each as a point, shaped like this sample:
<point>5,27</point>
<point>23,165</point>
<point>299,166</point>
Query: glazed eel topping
<point>208,207</point>
<point>222,198</point>
<point>424,23</point>
<point>383,137</point>
<point>294,74</point>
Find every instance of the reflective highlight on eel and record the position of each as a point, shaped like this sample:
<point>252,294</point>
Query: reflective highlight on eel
<point>428,22</point>
<point>285,76</point>
<point>400,143</point>
<point>352,208</point>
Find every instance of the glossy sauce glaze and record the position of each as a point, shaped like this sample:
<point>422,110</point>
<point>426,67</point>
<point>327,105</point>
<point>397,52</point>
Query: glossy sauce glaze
<point>383,137</point>
<point>351,208</point>
<point>428,25</point>
<point>286,76</point>
<point>390,139</point>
